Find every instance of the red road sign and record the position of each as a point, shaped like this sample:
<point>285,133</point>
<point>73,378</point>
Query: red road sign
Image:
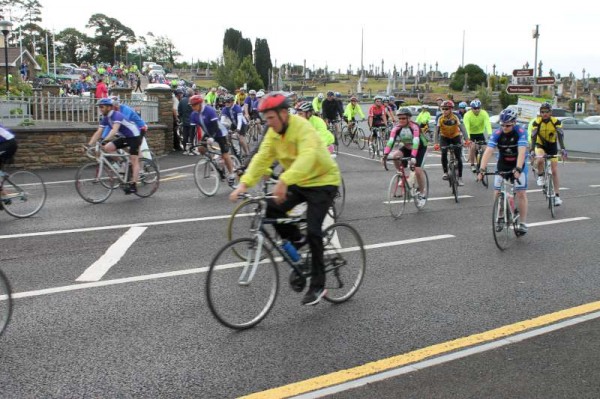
<point>519,89</point>
<point>521,73</point>
<point>545,80</point>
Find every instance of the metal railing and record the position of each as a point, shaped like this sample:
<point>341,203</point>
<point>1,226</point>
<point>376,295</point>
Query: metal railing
<point>46,108</point>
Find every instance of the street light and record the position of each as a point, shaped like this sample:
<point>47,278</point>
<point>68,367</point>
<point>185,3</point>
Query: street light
<point>5,27</point>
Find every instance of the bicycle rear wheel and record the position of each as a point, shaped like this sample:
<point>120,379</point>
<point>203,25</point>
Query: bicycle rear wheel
<point>340,199</point>
<point>425,191</point>
<point>149,178</point>
<point>241,293</point>
<point>345,261</point>
<point>206,177</point>
<point>397,196</point>
<point>24,194</point>
<point>5,302</point>
<point>501,223</point>
<point>94,182</point>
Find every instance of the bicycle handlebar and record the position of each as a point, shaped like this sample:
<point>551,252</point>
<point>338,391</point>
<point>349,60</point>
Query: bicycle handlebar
<point>504,174</point>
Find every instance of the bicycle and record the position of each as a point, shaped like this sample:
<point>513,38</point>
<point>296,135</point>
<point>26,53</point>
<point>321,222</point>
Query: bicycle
<point>254,131</point>
<point>505,216</point>
<point>241,293</point>
<point>548,188</point>
<point>453,169</point>
<point>351,133</point>
<point>6,303</point>
<point>22,193</point>
<point>479,150</point>
<point>96,181</point>
<point>402,189</point>
<point>377,145</point>
<point>210,169</point>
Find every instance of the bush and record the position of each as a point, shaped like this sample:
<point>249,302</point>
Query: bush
<point>507,99</point>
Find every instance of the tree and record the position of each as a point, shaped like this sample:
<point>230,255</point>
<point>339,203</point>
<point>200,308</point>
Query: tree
<point>476,76</point>
<point>70,45</point>
<point>109,31</point>
<point>262,60</point>
<point>33,10</point>
<point>246,73</point>
<point>231,39</point>
<point>244,49</point>
<point>226,70</point>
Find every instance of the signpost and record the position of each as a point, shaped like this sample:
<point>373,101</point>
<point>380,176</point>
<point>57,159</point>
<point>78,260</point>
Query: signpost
<point>545,80</point>
<point>522,73</point>
<point>514,89</point>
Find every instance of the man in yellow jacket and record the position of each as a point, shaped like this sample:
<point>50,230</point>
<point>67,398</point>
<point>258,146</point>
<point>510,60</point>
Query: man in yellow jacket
<point>310,176</point>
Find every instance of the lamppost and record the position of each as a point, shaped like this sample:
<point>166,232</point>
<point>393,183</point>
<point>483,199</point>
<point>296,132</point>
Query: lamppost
<point>5,27</point>
<point>536,36</point>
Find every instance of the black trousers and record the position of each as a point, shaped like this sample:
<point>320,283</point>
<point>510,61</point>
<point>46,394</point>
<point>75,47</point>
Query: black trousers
<point>444,141</point>
<point>319,200</point>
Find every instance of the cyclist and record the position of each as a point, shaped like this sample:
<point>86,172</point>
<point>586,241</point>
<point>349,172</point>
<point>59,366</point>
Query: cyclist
<point>392,104</point>
<point>391,118</point>
<point>127,135</point>
<point>211,97</point>
<point>414,144</point>
<point>205,116</point>
<point>317,103</point>
<point>310,176</point>
<point>232,117</point>
<point>240,97</point>
<point>477,124</point>
<point>450,128</point>
<point>462,110</point>
<point>304,109</point>
<point>8,145</point>
<point>340,103</point>
<point>184,111</point>
<point>250,106</point>
<point>423,119</point>
<point>331,111</point>
<point>353,109</point>
<point>130,114</point>
<point>377,117</point>
<point>511,141</point>
<point>546,130</point>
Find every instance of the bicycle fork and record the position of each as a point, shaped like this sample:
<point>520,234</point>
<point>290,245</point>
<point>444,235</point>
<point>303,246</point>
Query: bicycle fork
<point>252,261</point>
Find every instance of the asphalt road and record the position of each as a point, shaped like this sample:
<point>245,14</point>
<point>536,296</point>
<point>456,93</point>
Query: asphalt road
<point>144,329</point>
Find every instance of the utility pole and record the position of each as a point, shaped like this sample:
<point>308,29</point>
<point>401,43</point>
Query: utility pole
<point>462,63</point>
<point>536,35</point>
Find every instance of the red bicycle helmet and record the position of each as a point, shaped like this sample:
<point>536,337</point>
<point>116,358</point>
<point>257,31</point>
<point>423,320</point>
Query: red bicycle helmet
<point>273,101</point>
<point>197,99</point>
<point>448,104</point>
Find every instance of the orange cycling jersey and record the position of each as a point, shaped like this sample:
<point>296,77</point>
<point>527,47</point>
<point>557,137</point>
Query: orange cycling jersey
<point>450,126</point>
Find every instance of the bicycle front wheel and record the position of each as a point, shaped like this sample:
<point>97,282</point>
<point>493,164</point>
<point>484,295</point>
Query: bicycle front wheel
<point>94,182</point>
<point>453,178</point>
<point>346,136</point>
<point>206,177</point>
<point>241,293</point>
<point>361,139</point>
<point>551,195</point>
<point>5,302</point>
<point>345,261</point>
<point>397,196</point>
<point>501,223</point>
<point>24,194</point>
<point>149,178</point>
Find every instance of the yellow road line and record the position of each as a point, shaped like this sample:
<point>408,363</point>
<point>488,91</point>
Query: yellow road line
<point>178,176</point>
<point>393,362</point>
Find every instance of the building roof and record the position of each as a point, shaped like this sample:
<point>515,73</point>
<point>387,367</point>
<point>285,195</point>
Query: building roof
<point>15,58</point>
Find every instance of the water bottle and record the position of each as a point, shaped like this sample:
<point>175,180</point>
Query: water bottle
<point>291,250</point>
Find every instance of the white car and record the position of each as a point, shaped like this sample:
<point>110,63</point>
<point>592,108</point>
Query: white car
<point>592,120</point>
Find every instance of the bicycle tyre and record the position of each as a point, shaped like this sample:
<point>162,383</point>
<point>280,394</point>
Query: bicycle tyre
<point>340,198</point>
<point>397,196</point>
<point>149,178</point>
<point>551,195</point>
<point>346,136</point>
<point>501,230</point>
<point>206,177</point>
<point>31,192</point>
<point>425,192</point>
<point>92,178</point>
<point>345,261</point>
<point>484,181</point>
<point>244,219</point>
<point>223,284</point>
<point>6,302</point>
<point>452,175</point>
<point>361,139</point>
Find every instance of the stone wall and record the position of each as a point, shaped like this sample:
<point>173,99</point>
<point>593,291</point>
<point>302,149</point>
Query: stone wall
<point>61,146</point>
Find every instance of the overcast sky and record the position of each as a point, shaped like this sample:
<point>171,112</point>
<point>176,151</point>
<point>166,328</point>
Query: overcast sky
<point>329,32</point>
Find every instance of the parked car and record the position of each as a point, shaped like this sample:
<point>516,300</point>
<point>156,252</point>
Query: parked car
<point>592,120</point>
<point>570,121</point>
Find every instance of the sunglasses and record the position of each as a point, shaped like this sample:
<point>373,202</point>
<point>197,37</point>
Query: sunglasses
<point>445,109</point>
<point>402,118</point>
<point>353,101</point>
<point>507,124</point>
<point>476,108</point>
<point>544,112</point>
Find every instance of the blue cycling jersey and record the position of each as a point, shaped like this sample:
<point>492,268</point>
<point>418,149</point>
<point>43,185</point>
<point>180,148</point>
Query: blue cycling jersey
<point>126,127</point>
<point>130,115</point>
<point>209,121</point>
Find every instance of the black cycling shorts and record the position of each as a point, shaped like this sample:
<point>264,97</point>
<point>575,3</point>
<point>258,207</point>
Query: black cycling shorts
<point>133,143</point>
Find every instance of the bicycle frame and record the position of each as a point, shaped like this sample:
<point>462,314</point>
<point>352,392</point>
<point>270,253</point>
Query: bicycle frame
<point>101,157</point>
